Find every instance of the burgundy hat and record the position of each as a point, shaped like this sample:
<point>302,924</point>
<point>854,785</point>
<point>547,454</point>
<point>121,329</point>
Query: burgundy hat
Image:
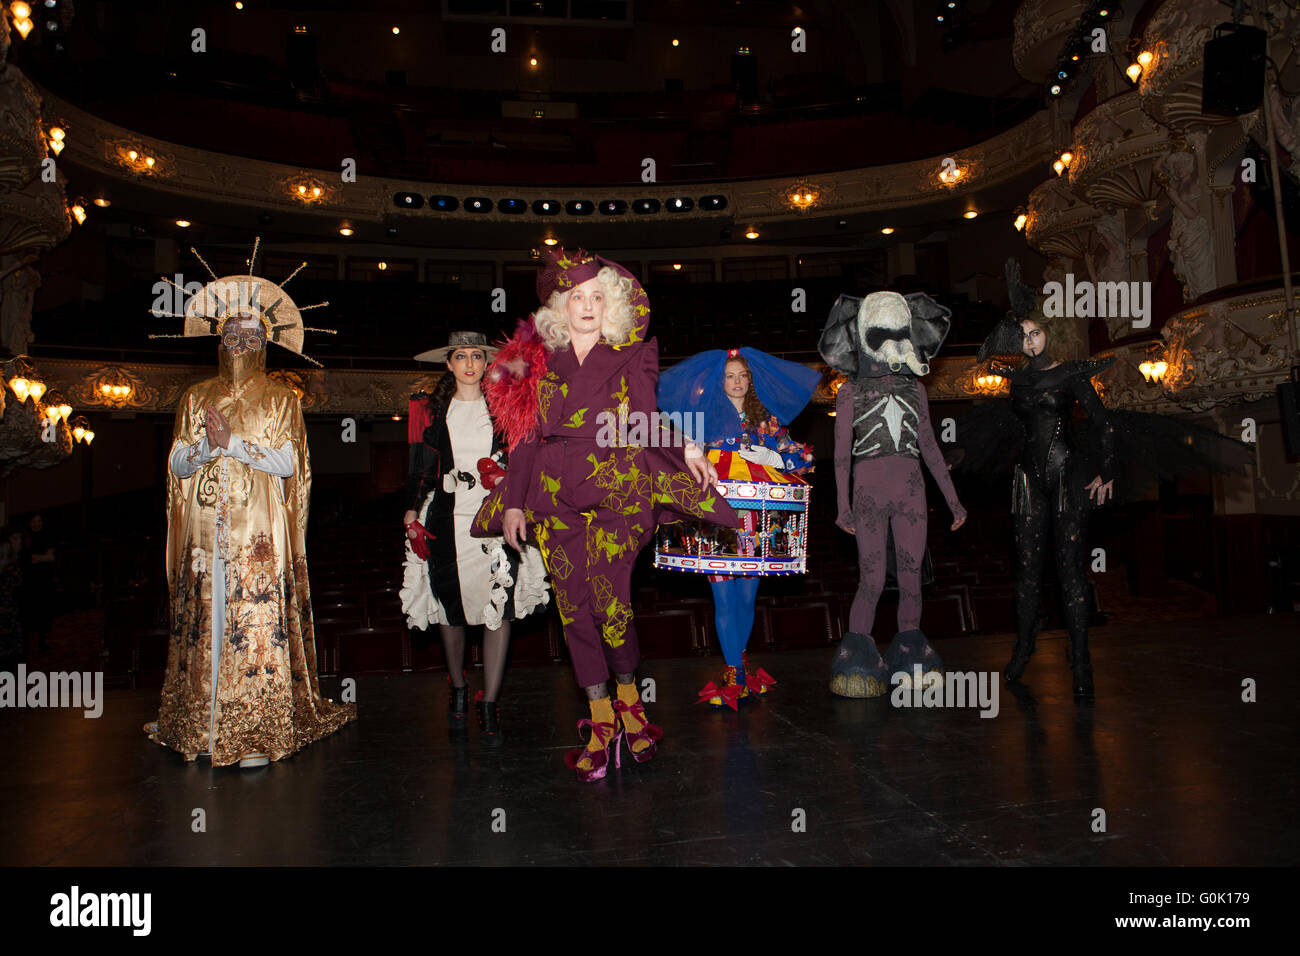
<point>563,270</point>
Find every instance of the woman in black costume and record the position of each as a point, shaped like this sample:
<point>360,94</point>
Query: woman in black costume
<point>1064,468</point>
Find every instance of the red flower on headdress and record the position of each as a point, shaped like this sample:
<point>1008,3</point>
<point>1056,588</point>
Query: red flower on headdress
<point>733,353</point>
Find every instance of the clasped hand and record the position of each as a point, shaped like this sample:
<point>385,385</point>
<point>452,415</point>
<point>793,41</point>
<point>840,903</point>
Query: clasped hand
<point>218,429</point>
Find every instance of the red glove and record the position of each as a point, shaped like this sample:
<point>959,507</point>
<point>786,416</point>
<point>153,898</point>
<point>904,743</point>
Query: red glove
<point>417,533</point>
<point>489,472</point>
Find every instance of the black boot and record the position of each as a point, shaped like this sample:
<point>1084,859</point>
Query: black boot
<point>489,719</point>
<point>1019,658</point>
<point>458,706</point>
<point>1080,659</point>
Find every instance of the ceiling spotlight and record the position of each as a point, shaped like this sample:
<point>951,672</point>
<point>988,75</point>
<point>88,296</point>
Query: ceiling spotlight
<point>970,214</point>
<point>680,204</point>
<point>239,4</point>
<point>183,223</point>
<point>444,203</point>
<point>645,207</point>
<point>1055,89</point>
<point>396,30</point>
<point>613,207</point>
<point>550,240</point>
<point>579,207</point>
<point>383,266</point>
<point>102,203</point>
<point>713,203</point>
<point>409,200</point>
<point>677,267</point>
<point>345,230</point>
<point>676,42</point>
<point>532,61</point>
<point>751,233</point>
<point>887,231</point>
<point>545,207</point>
<point>480,204</point>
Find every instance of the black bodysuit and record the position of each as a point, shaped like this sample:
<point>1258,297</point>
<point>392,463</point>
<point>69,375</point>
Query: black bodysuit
<point>1051,476</point>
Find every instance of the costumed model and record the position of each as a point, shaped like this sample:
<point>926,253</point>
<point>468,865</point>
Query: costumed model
<point>574,391</point>
<point>241,679</point>
<point>452,579</point>
<point>884,343</point>
<point>1063,468</point>
<point>745,398</point>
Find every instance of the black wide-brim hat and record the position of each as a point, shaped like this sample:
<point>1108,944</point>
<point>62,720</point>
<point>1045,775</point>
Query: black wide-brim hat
<point>458,340</point>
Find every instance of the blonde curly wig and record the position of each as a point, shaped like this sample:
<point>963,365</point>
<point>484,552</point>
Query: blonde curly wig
<point>552,319</point>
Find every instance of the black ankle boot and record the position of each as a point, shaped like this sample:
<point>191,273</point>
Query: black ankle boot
<point>1076,652</point>
<point>489,719</point>
<point>458,706</point>
<point>1019,659</point>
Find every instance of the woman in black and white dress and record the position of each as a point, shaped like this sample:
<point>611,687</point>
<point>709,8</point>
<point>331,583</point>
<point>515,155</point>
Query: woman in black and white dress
<point>452,579</point>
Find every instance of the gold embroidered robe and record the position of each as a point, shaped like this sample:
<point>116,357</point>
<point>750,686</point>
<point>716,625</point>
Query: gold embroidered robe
<point>268,699</point>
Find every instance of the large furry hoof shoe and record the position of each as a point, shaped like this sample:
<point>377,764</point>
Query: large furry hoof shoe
<point>858,670</point>
<point>907,650</point>
<point>253,761</point>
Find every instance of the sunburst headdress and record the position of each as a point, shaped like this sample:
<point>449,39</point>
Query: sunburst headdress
<point>233,297</point>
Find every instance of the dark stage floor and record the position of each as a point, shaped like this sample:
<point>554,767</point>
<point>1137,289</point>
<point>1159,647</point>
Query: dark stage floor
<point>1186,773</point>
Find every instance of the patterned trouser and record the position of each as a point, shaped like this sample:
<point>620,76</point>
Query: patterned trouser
<point>590,548</point>
<point>888,494</point>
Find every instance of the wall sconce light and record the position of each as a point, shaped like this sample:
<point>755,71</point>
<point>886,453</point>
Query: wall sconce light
<point>1154,371</point>
<point>1022,218</point>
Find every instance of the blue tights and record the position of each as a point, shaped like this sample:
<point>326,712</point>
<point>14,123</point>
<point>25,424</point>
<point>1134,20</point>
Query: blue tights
<point>733,614</point>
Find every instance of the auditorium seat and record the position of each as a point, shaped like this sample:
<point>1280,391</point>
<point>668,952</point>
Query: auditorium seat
<point>667,633</point>
<point>370,649</point>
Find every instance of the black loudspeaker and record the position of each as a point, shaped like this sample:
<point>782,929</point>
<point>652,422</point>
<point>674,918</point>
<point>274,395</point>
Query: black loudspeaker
<point>1288,403</point>
<point>300,60</point>
<point>744,76</point>
<point>1233,81</point>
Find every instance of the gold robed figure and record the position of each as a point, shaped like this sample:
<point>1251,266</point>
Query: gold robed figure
<point>240,529</point>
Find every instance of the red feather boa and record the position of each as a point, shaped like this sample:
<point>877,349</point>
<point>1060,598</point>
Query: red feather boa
<point>510,385</point>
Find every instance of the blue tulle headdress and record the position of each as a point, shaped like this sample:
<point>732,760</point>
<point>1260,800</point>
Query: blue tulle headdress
<point>695,386</point>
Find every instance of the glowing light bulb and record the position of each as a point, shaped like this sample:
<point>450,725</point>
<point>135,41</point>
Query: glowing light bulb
<point>887,231</point>
<point>1021,220</point>
<point>20,386</point>
<point>36,390</point>
<point>1145,58</point>
<point>183,223</point>
<point>102,203</point>
<point>79,213</point>
<point>1133,72</point>
<point>970,214</point>
<point>132,155</point>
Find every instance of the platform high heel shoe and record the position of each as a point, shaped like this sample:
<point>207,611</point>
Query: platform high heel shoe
<point>602,732</point>
<point>634,714</point>
<point>489,720</point>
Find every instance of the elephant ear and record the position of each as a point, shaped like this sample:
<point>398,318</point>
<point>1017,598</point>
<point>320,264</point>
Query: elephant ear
<point>839,346</point>
<point>931,323</point>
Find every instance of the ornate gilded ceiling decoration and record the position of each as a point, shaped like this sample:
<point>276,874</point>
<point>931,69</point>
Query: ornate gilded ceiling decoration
<point>219,177</point>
